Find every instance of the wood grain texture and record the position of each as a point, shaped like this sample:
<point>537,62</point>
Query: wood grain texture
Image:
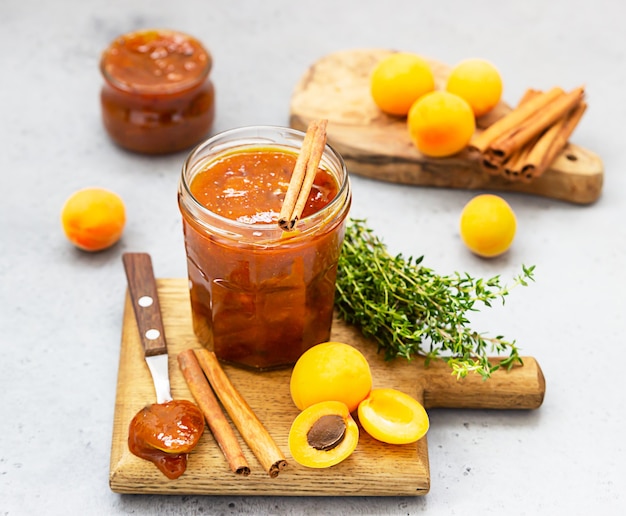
<point>374,469</point>
<point>142,285</point>
<point>377,146</point>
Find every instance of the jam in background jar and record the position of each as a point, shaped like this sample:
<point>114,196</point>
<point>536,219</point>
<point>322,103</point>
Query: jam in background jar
<point>157,97</point>
<point>260,297</point>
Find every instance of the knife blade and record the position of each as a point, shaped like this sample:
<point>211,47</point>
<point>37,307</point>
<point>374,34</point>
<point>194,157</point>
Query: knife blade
<point>144,298</point>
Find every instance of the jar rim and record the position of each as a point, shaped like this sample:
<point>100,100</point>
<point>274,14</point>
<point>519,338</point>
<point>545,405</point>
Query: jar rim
<point>305,224</point>
<point>159,88</point>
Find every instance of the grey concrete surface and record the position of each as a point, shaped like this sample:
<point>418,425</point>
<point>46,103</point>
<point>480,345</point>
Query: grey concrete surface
<point>61,309</point>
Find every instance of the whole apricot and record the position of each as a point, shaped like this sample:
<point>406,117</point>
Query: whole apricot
<point>478,82</point>
<point>399,80</point>
<point>488,225</point>
<point>93,218</point>
<point>441,124</point>
<point>393,417</point>
<point>323,435</point>
<point>331,371</point>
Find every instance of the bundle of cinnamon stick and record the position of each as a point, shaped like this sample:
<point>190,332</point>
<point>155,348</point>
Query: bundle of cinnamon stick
<point>208,383</point>
<point>524,143</point>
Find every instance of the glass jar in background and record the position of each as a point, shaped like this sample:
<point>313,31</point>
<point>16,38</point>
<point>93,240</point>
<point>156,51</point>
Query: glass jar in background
<point>260,297</point>
<point>157,96</point>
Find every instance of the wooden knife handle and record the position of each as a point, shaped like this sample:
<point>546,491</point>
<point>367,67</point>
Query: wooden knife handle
<point>144,298</point>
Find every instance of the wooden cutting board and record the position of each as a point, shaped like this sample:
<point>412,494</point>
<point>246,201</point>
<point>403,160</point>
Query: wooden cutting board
<point>374,469</point>
<point>377,145</point>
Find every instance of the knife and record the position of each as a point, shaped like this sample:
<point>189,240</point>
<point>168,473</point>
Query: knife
<point>144,297</point>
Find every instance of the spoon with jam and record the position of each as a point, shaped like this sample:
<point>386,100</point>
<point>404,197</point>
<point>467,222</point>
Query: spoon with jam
<point>164,432</point>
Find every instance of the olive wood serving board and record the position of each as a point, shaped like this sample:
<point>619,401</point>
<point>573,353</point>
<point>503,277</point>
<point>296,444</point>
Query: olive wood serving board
<point>374,469</point>
<point>376,145</point>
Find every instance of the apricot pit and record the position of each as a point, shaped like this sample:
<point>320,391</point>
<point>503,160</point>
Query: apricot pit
<point>327,432</point>
<point>323,435</point>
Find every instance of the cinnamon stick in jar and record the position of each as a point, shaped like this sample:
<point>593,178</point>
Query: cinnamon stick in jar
<point>250,427</point>
<point>303,175</point>
<point>215,418</point>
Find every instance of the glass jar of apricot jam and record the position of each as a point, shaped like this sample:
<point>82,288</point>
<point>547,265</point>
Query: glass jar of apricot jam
<point>260,296</point>
<point>157,96</point>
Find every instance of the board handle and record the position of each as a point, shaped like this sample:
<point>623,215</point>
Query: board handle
<point>521,387</point>
<point>145,300</point>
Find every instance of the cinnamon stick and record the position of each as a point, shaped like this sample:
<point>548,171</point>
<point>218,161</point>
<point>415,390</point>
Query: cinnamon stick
<point>532,126</point>
<point>509,169</point>
<point>303,175</point>
<point>251,429</point>
<point>513,167</point>
<point>551,143</point>
<point>215,418</point>
<point>513,119</point>
<point>516,166</point>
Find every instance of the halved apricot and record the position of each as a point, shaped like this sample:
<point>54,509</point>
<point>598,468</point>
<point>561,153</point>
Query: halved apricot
<point>393,417</point>
<point>323,435</point>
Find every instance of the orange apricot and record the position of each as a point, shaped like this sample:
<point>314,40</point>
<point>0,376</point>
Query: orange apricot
<point>399,80</point>
<point>331,371</point>
<point>393,417</point>
<point>488,225</point>
<point>93,218</point>
<point>323,435</point>
<point>441,124</point>
<point>477,81</point>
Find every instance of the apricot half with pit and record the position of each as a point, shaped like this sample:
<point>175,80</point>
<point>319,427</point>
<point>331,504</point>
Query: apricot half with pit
<point>331,371</point>
<point>393,417</point>
<point>323,435</point>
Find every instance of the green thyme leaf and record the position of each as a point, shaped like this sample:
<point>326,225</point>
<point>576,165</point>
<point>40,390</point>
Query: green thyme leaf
<point>409,310</point>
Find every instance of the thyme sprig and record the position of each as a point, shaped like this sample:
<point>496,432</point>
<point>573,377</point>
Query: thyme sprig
<point>409,310</point>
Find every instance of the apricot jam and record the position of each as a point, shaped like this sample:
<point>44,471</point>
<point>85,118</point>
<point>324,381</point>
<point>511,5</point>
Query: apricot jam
<point>157,96</point>
<point>165,433</point>
<point>260,297</point>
